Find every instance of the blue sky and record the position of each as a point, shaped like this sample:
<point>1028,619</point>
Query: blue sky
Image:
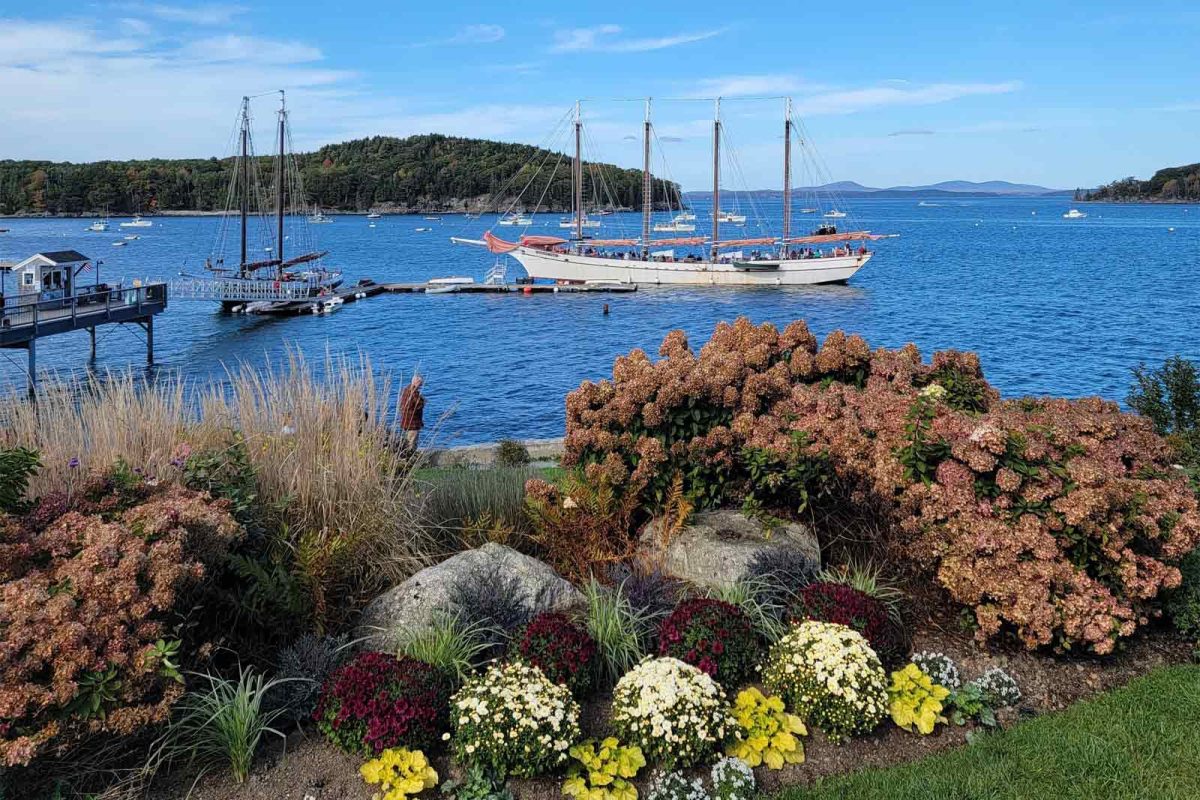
<point>1060,94</point>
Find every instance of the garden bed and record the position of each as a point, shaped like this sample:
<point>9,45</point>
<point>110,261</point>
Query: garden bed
<point>308,766</point>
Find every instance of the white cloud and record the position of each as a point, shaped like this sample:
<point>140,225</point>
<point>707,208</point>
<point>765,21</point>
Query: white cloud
<point>605,38</point>
<point>135,27</point>
<point>850,101</point>
<point>469,34</point>
<point>249,49</point>
<point>202,14</point>
<point>749,85</point>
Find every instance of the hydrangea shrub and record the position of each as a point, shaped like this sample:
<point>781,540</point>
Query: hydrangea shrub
<point>829,675</point>
<point>1059,521</point>
<point>673,711</point>
<point>378,701</point>
<point>712,635</point>
<point>513,720</point>
<point>86,601</point>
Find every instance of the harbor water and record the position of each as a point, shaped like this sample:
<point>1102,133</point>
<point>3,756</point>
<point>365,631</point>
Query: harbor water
<point>1053,306</point>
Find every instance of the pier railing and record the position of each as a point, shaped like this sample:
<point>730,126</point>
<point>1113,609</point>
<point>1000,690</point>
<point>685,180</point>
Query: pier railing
<point>232,289</point>
<point>22,320</point>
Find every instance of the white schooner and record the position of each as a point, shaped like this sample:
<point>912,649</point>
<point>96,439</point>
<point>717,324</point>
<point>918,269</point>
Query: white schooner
<point>825,255</point>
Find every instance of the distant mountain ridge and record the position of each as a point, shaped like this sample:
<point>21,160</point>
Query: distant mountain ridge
<point>942,189</point>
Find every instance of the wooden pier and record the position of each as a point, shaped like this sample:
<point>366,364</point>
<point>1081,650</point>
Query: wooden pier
<point>25,318</point>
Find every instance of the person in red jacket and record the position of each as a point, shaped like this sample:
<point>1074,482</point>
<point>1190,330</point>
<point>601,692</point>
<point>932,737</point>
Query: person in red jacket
<point>412,411</point>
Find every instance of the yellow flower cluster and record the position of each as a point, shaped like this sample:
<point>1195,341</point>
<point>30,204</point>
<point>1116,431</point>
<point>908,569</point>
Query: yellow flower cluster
<point>768,733</point>
<point>602,771</point>
<point>399,773</point>
<point>915,700</point>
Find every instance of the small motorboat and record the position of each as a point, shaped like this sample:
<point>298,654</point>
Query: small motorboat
<point>424,230</point>
<point>328,305</point>
<point>119,244</point>
<point>1075,213</point>
<point>731,218</point>
<point>433,219</point>
<point>449,288</point>
<point>809,210</point>
<point>99,226</point>
<point>834,214</point>
<point>448,285</point>
<point>374,215</point>
<point>133,237</point>
<point>137,222</point>
<point>517,219</point>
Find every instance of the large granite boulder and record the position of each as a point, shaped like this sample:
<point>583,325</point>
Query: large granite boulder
<point>412,605</point>
<point>716,547</point>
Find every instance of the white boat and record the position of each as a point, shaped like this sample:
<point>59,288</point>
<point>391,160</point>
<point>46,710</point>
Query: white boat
<point>455,280</point>
<point>586,223</point>
<point>99,226</point>
<point>424,230</point>
<point>824,255</point>
<point>374,215</point>
<point>433,219</point>
<point>686,216</point>
<point>673,227</point>
<point>834,214</point>
<point>327,305</point>
<point>133,237</point>
<point>119,244</point>
<point>137,222</point>
<point>730,218</point>
<point>520,220</point>
<point>809,210</point>
<point>318,218</point>
<point>1075,213</point>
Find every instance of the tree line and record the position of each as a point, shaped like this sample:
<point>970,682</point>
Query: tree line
<point>415,173</point>
<point>1173,184</point>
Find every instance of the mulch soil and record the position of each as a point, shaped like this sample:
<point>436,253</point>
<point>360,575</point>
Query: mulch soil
<point>306,767</point>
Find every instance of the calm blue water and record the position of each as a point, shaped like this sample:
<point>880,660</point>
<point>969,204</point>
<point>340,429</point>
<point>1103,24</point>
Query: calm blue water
<point>1052,306</point>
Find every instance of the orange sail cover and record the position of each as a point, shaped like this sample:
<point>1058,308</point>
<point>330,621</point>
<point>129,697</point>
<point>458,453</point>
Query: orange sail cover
<point>497,245</point>
<point>746,242</point>
<point>852,236</point>
<point>541,241</point>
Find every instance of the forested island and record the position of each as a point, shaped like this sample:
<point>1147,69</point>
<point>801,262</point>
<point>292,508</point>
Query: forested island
<point>1170,185</point>
<point>416,174</point>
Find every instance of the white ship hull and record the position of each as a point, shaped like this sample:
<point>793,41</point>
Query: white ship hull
<point>789,272</point>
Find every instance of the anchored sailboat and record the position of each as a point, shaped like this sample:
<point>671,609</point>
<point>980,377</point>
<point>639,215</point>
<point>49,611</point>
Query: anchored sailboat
<point>263,284</point>
<point>824,256</point>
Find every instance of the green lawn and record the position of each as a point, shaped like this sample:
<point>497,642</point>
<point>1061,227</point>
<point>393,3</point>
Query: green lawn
<point>1142,741</point>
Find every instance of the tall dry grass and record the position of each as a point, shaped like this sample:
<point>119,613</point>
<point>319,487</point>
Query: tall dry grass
<point>321,440</point>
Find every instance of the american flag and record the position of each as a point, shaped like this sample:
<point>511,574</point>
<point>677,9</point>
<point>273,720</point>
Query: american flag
<point>87,267</point>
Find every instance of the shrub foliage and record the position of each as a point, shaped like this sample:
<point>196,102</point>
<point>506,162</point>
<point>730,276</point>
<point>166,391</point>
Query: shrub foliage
<point>562,649</point>
<point>1057,520</point>
<point>85,607</point>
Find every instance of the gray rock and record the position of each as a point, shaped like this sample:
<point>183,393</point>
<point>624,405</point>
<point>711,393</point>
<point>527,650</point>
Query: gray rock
<point>716,547</point>
<point>413,605</point>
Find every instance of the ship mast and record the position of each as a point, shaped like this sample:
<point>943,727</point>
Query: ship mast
<point>647,194</point>
<point>787,174</point>
<point>279,185</point>
<point>577,197</point>
<point>245,165</point>
<point>716,193</point>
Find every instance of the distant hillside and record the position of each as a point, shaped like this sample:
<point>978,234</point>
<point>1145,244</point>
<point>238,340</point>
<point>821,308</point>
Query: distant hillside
<point>418,173</point>
<point>1170,185</point>
<point>945,188</point>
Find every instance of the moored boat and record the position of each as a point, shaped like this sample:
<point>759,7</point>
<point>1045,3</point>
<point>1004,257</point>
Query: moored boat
<point>825,255</point>
<point>137,222</point>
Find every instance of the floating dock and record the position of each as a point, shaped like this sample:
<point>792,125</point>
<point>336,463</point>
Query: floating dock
<point>508,288</point>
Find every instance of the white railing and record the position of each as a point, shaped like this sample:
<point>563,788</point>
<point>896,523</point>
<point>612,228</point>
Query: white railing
<point>245,290</point>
